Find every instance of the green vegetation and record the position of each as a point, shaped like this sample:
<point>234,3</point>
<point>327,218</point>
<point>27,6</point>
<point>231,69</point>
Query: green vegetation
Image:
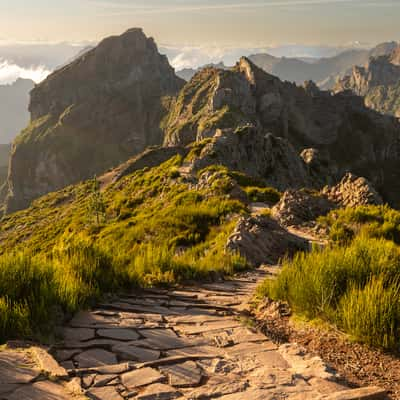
<point>73,246</point>
<point>263,195</point>
<point>355,282</point>
<point>369,221</point>
<point>255,189</point>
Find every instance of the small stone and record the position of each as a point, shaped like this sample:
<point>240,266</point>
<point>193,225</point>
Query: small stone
<point>159,391</point>
<point>183,375</point>
<point>104,393</point>
<point>74,386</point>
<point>95,358</point>
<point>103,380</point>
<point>87,381</point>
<point>141,377</point>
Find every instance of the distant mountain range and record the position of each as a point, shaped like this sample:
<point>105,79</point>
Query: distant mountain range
<point>324,71</point>
<point>14,115</point>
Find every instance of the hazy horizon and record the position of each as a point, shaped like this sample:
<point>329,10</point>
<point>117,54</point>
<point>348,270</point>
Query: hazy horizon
<point>253,23</point>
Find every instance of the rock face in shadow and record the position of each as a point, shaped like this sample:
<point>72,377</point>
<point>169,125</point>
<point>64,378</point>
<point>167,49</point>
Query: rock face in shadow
<point>251,121</point>
<point>91,115</point>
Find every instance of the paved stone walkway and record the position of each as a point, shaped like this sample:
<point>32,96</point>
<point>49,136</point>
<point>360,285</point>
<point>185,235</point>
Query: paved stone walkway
<point>191,343</point>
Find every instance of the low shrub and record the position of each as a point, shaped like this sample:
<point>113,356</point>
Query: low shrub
<point>263,195</point>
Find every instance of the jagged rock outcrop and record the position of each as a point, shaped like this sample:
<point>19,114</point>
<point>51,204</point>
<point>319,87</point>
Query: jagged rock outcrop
<point>261,240</point>
<point>266,156</point>
<point>90,115</point>
<point>297,207</point>
<point>378,81</point>
<point>353,191</point>
<point>249,120</point>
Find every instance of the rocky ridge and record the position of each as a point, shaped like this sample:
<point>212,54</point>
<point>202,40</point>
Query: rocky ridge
<point>250,121</point>
<point>90,115</point>
<point>378,81</point>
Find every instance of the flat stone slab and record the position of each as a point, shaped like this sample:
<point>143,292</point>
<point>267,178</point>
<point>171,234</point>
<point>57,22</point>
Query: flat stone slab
<point>141,377</point>
<point>78,334</point>
<point>92,344</point>
<point>183,375</point>
<point>44,390</point>
<point>91,319</point>
<point>134,353</point>
<point>16,367</point>
<point>218,386</point>
<point>159,391</point>
<point>118,334</point>
<point>95,358</point>
<point>205,351</point>
<point>104,393</point>
<point>208,327</point>
<point>163,339</point>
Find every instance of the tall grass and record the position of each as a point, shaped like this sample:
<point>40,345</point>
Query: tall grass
<point>154,229</point>
<point>356,287</point>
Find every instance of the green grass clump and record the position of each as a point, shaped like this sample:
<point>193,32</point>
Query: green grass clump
<point>370,221</point>
<point>356,287</point>
<point>263,195</point>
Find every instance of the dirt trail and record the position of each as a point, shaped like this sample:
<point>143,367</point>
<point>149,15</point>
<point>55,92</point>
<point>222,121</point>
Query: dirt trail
<point>194,342</point>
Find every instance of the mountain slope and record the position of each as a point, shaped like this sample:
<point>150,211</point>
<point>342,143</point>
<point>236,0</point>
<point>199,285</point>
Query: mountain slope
<point>378,81</point>
<point>91,115</point>
<point>14,115</point>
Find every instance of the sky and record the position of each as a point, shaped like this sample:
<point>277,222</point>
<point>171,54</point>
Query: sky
<point>37,36</point>
<point>203,22</point>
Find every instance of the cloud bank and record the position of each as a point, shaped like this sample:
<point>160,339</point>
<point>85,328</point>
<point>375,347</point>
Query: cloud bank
<point>10,72</point>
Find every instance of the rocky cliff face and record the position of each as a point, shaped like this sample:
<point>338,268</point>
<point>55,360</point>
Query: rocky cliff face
<point>378,81</point>
<point>289,136</point>
<point>91,115</point>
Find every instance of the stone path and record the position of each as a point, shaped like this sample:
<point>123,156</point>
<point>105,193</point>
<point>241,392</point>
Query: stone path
<point>189,343</point>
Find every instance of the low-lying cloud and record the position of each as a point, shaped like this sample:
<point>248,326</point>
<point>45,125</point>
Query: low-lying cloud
<point>10,72</point>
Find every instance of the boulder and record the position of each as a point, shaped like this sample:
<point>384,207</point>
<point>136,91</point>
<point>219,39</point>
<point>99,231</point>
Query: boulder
<point>261,240</point>
<point>353,191</point>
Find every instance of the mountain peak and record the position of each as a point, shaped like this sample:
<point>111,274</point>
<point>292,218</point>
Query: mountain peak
<point>92,114</point>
